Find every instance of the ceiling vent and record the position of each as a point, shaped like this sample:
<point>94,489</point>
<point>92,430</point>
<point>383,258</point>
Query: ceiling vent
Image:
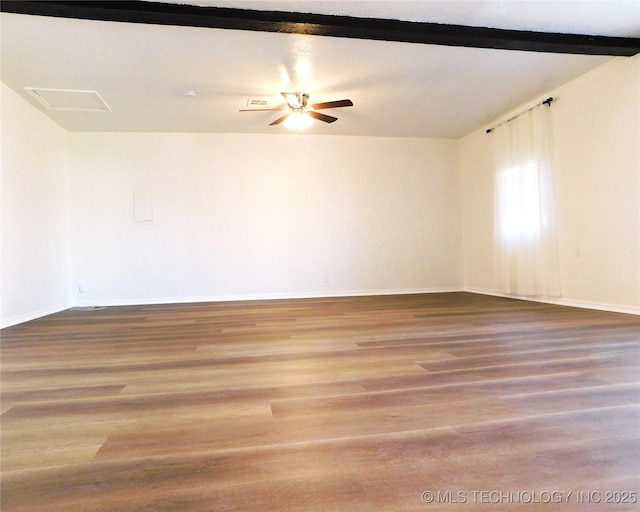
<point>257,103</point>
<point>69,99</point>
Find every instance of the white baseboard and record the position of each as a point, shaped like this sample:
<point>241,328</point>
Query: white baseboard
<point>32,315</point>
<point>614,308</point>
<point>270,296</point>
<point>562,301</point>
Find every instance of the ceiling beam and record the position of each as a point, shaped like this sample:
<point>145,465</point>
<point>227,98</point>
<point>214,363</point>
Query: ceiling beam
<point>327,25</point>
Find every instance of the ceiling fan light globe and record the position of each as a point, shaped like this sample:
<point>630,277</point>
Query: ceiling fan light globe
<point>298,121</point>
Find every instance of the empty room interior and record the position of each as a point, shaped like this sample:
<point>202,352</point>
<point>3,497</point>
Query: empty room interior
<point>320,256</point>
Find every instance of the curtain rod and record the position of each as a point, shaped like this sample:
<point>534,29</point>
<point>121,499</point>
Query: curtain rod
<point>545,102</point>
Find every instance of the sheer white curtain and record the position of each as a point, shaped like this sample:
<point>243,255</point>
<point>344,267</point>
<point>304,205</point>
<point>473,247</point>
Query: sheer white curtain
<point>525,243</point>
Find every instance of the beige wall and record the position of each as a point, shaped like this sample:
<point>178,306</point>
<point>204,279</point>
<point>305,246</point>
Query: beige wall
<point>35,273</point>
<point>596,123</point>
<point>250,216</point>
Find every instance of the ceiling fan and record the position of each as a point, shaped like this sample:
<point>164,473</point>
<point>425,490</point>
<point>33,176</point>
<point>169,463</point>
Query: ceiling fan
<point>300,109</point>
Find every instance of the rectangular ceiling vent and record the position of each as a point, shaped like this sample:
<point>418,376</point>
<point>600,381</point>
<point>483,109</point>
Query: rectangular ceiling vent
<point>257,103</point>
<point>69,99</point>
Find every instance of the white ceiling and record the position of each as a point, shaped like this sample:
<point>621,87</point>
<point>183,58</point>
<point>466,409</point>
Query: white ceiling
<point>398,89</point>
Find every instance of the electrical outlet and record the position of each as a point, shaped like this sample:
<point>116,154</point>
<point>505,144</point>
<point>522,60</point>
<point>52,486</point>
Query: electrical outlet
<point>82,287</point>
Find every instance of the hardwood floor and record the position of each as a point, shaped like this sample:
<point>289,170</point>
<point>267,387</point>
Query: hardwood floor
<point>346,404</point>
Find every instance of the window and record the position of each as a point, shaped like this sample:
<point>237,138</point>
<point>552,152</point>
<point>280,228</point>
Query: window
<point>518,195</point>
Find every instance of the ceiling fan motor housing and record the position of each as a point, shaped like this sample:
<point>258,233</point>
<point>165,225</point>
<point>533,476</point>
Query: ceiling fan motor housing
<point>296,100</point>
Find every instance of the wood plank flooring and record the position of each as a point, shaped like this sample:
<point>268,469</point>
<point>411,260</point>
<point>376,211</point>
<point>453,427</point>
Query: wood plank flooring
<point>345,404</point>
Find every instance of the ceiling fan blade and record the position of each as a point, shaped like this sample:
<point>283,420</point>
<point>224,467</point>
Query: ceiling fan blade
<point>322,117</point>
<point>333,104</point>
<point>280,119</point>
